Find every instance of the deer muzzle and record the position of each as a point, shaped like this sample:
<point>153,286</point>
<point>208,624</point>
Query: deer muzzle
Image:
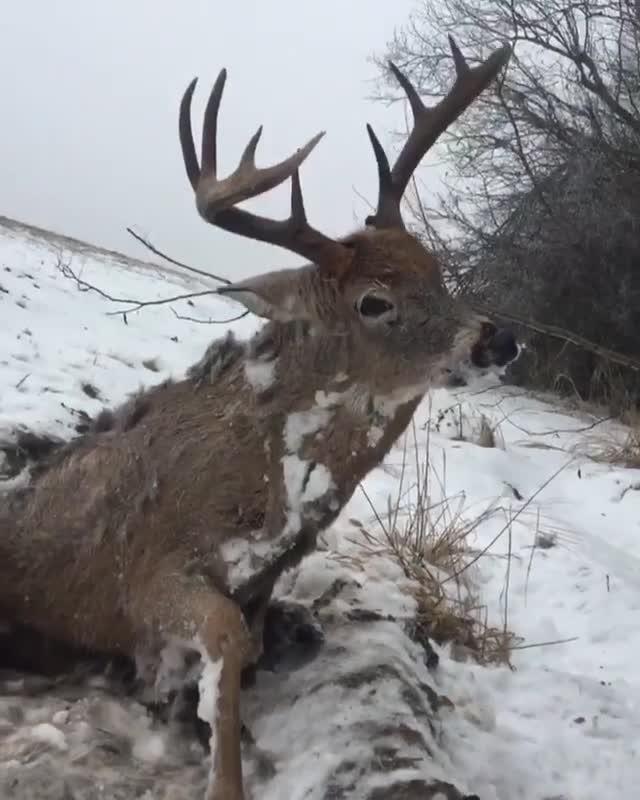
<point>497,348</point>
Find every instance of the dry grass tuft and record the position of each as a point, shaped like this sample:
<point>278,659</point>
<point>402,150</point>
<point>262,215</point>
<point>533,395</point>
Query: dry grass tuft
<point>486,434</point>
<point>625,453</point>
<point>614,446</point>
<point>467,424</point>
<point>429,539</point>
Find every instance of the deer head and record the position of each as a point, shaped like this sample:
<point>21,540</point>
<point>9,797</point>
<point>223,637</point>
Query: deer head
<point>378,285</point>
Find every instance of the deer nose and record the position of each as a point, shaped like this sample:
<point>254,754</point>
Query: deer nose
<point>503,347</point>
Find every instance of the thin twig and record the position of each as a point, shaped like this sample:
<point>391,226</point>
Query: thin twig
<point>556,431</point>
<point>508,580</point>
<point>173,261</point>
<point>531,555</point>
<point>209,321</point>
<point>544,644</point>
<point>482,552</point>
<point>137,305</point>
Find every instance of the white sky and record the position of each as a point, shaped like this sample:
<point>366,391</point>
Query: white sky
<point>90,99</point>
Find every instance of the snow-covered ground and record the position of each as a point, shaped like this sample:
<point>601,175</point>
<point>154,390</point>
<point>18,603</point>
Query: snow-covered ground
<point>564,723</point>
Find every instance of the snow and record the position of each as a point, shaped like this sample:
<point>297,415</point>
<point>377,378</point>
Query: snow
<point>170,672</point>
<point>149,748</point>
<point>303,423</point>
<point>60,717</point>
<point>260,374</point>
<point>564,723</point>
<point>305,482</point>
<point>319,484</point>
<point>237,554</point>
<point>44,732</point>
<point>209,686</point>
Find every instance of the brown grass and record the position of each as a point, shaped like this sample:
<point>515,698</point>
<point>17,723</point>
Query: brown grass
<point>614,446</point>
<point>429,539</point>
<point>462,426</point>
<point>626,453</point>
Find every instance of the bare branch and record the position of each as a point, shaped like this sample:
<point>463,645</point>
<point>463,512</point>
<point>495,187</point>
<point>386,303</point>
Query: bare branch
<point>136,304</point>
<point>209,321</point>
<point>173,261</point>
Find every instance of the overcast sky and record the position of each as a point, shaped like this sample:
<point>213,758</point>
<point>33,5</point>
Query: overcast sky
<point>90,95</point>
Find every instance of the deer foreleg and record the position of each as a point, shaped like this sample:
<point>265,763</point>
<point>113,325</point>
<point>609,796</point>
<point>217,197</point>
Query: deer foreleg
<point>197,616</point>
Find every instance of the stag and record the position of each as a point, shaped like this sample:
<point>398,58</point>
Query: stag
<point>163,530</point>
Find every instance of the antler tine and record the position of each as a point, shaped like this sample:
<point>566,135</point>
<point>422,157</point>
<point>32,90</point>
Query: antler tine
<point>388,209</point>
<point>209,158</point>
<point>216,198</point>
<point>186,136</point>
<point>428,124</point>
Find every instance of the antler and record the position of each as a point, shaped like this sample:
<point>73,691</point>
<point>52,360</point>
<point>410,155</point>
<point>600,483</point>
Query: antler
<point>216,198</point>
<point>428,124</point>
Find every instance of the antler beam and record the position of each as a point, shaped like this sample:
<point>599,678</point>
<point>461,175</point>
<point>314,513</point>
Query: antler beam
<point>428,124</point>
<point>216,198</point>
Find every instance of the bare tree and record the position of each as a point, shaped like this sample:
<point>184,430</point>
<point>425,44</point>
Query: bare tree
<point>549,220</point>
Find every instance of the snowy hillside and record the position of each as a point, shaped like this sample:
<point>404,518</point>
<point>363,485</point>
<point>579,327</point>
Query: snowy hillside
<point>557,540</point>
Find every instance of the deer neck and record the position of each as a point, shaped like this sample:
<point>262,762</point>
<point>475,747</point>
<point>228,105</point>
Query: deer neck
<point>296,365</point>
<point>325,422</point>
<point>331,413</point>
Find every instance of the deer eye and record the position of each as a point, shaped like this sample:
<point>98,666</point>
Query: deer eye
<point>370,305</point>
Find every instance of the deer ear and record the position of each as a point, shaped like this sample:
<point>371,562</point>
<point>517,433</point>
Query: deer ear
<point>283,295</point>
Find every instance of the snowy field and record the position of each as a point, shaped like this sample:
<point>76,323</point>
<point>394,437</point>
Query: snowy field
<point>359,719</point>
